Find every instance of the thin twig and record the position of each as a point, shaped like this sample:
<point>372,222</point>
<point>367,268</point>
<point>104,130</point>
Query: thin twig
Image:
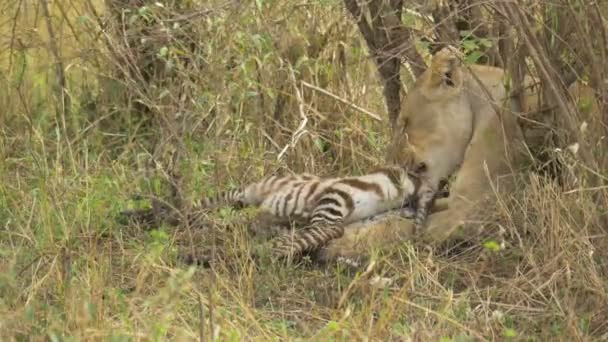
<point>300,131</point>
<point>63,93</point>
<point>348,103</point>
<point>201,318</point>
<point>594,188</point>
<point>59,70</point>
<point>211,309</point>
<point>15,19</point>
<point>370,268</point>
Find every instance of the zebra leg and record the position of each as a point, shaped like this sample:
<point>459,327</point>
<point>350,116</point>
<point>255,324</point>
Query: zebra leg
<point>308,239</point>
<point>426,196</point>
<point>266,225</point>
<point>326,224</point>
<point>233,198</point>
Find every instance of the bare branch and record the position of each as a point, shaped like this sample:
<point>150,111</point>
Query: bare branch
<point>350,104</point>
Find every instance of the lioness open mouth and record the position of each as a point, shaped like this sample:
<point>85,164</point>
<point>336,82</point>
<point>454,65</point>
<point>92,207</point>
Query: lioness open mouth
<point>448,79</point>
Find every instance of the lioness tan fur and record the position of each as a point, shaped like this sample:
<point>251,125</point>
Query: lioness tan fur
<point>448,119</point>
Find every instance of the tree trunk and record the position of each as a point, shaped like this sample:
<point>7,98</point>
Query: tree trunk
<point>388,40</point>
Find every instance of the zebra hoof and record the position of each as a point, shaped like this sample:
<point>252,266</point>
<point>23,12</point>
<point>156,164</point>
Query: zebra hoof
<point>354,263</point>
<point>407,212</point>
<point>288,254</point>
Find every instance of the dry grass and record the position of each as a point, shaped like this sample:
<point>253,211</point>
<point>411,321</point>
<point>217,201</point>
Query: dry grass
<point>213,109</point>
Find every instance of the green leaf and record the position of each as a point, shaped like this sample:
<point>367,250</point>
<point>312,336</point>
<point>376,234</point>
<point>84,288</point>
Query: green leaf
<point>462,337</point>
<point>509,333</point>
<point>492,245</point>
<point>163,51</point>
<point>584,325</point>
<point>143,12</point>
<point>466,33</point>
<point>321,145</point>
<point>485,42</point>
<point>469,45</point>
<point>132,19</point>
<point>409,19</point>
<point>585,104</point>
<point>508,83</point>
<point>473,57</point>
<point>234,335</point>
<point>423,45</point>
<point>300,61</point>
<point>250,93</point>
<point>83,19</point>
<point>159,236</point>
<point>556,328</point>
<point>333,326</point>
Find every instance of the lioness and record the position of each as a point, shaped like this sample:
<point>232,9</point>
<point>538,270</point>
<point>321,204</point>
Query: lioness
<point>455,115</point>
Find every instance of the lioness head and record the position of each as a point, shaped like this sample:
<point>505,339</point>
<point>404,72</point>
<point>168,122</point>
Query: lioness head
<point>429,110</point>
<point>445,76</point>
